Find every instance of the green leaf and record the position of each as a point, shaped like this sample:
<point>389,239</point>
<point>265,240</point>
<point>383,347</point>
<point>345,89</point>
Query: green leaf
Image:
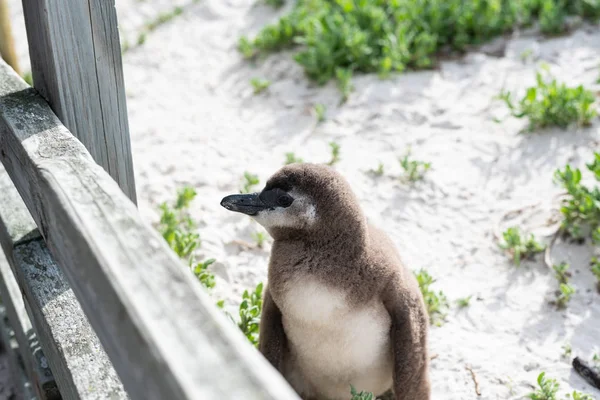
<point>178,229</point>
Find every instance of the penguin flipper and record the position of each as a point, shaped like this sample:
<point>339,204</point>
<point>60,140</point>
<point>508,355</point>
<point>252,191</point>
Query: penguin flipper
<point>410,324</point>
<point>272,341</point>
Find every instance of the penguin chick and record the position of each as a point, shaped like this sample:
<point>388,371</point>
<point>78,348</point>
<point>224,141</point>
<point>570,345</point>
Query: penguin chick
<point>339,308</point>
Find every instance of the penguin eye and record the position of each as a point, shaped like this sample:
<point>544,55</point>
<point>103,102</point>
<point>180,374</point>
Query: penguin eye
<point>285,200</point>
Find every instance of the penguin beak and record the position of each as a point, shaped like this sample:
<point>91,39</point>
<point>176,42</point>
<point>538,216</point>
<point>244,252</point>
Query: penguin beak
<point>249,204</point>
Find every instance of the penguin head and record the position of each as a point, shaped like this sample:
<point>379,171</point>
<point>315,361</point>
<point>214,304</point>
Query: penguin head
<point>300,197</point>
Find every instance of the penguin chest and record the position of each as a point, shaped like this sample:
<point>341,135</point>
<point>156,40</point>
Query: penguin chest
<point>334,345</point>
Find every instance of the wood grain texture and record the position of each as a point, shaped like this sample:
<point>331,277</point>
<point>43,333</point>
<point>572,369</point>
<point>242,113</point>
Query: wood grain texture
<point>161,330</point>
<point>77,359</point>
<point>76,66</point>
<point>35,363</point>
<point>75,355</point>
<point>21,384</point>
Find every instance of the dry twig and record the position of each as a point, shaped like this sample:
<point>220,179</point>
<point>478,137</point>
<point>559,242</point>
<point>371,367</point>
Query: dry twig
<point>474,380</point>
<point>548,251</point>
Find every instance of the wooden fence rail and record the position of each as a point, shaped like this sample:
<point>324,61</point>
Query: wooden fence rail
<point>32,378</point>
<point>28,359</point>
<point>74,353</point>
<point>163,334</point>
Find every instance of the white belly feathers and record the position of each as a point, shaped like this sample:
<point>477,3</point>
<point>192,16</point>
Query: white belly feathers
<point>334,345</point>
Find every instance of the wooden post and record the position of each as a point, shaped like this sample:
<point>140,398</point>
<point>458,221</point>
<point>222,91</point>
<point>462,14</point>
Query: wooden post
<point>7,44</point>
<point>76,65</point>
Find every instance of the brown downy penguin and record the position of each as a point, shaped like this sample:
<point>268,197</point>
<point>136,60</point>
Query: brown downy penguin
<point>339,309</point>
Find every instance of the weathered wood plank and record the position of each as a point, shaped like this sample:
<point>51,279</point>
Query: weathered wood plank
<point>78,361</point>
<point>20,381</point>
<point>163,333</point>
<point>76,66</point>
<point>80,365</point>
<point>34,361</point>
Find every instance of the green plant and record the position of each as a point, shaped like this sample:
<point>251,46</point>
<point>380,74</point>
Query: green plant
<point>596,361</point>
<point>341,37</point>
<point>579,396</point>
<point>250,181</point>
<point>564,294</point>
<point>250,311</point>
<point>201,271</point>
<point>436,302</point>
<point>464,302</point>
<point>290,158</point>
<point>27,77</point>
<point>343,77</point>
<point>567,350</point>
<point>565,291</point>
<point>151,26</point>
<point>526,54</point>
<point>594,166</point>
<point>551,18</point>
<point>245,47</point>
<point>548,388</point>
<point>275,3</point>
<point>518,247</point>
<point>510,385</point>
<point>335,153</point>
<point>360,396</point>
<point>179,231</point>
<point>260,85</point>
<point>176,225</point>
<point>413,170</point>
<point>259,238</point>
<point>379,171</point>
<point>596,235</point>
<point>141,39</point>
<point>581,207</point>
<point>550,103</point>
<point>320,112</point>
<point>561,272</point>
<point>163,18</point>
<point>126,46</point>
<point>595,265</point>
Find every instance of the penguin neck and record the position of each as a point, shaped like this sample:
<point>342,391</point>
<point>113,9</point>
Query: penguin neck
<point>342,230</point>
<point>345,232</point>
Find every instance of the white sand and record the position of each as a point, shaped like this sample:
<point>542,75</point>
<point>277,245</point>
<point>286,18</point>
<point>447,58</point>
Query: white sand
<point>194,120</point>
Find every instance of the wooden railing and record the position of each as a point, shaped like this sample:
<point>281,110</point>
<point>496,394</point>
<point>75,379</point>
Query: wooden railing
<point>96,305</point>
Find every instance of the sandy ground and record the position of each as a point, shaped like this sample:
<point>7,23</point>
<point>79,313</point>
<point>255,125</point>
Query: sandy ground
<point>194,120</point>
